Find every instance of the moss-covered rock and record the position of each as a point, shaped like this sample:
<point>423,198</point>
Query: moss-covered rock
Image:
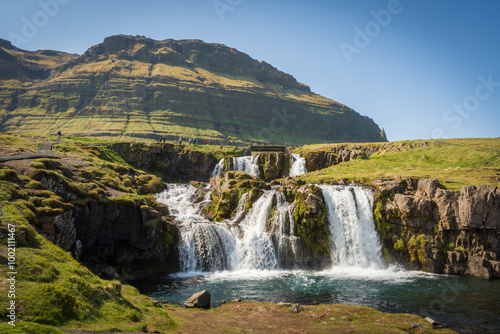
<point>312,224</point>
<point>273,165</point>
<point>229,187</point>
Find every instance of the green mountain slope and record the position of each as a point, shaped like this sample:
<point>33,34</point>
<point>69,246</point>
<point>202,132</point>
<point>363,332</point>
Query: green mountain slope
<point>138,87</point>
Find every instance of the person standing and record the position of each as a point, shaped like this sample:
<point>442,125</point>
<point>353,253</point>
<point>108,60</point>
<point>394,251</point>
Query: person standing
<point>59,135</point>
<point>180,140</point>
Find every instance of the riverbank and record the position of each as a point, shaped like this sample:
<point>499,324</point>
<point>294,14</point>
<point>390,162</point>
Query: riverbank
<point>253,317</point>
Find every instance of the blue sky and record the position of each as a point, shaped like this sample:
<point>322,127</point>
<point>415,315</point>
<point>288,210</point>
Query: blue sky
<point>420,68</point>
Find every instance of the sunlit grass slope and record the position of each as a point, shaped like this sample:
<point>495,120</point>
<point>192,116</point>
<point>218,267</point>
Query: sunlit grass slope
<point>454,162</point>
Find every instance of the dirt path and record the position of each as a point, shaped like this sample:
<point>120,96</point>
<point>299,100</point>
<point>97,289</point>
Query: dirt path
<point>477,147</point>
<point>44,151</point>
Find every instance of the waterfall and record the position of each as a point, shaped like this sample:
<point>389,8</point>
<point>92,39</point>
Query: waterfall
<point>243,242</point>
<point>264,237</point>
<point>298,165</point>
<point>204,245</point>
<point>247,164</point>
<point>288,246</point>
<point>355,242</point>
<point>255,248</point>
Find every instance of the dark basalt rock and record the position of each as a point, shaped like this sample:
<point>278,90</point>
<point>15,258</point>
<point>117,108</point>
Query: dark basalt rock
<point>438,230</point>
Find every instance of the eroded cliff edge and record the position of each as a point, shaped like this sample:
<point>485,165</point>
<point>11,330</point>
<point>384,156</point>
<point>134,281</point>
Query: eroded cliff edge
<point>438,230</point>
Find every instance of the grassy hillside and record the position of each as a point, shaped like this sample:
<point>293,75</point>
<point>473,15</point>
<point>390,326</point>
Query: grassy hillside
<point>454,162</point>
<point>134,87</point>
<point>52,288</point>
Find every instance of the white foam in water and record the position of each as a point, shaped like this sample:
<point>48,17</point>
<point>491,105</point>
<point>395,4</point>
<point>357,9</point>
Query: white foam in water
<point>393,274</point>
<point>298,165</point>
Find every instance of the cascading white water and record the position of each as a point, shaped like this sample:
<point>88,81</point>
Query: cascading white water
<point>298,165</point>
<point>247,244</point>
<point>255,249</point>
<point>264,238</point>
<point>288,246</point>
<point>204,245</point>
<point>355,242</point>
<point>247,164</point>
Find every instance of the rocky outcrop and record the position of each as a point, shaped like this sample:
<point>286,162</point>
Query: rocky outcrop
<point>228,188</point>
<point>177,163</point>
<point>131,237</point>
<point>437,230</point>
<point>273,165</point>
<point>311,223</point>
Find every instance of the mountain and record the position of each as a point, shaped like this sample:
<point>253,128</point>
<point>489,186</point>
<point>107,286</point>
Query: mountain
<point>138,87</point>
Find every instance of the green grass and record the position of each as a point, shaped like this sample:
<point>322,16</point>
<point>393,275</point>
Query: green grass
<point>217,151</point>
<point>455,163</point>
<point>54,291</point>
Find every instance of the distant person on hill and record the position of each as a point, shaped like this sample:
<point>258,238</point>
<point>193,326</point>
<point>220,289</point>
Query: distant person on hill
<point>180,140</point>
<point>59,135</point>
<point>194,141</point>
<point>204,142</point>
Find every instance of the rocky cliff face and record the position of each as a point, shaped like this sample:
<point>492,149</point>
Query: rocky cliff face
<point>176,163</point>
<point>138,87</point>
<point>121,233</point>
<point>134,239</point>
<point>438,230</point>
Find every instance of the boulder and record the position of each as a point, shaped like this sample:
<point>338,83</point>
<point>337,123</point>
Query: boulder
<point>199,300</point>
<point>296,308</point>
